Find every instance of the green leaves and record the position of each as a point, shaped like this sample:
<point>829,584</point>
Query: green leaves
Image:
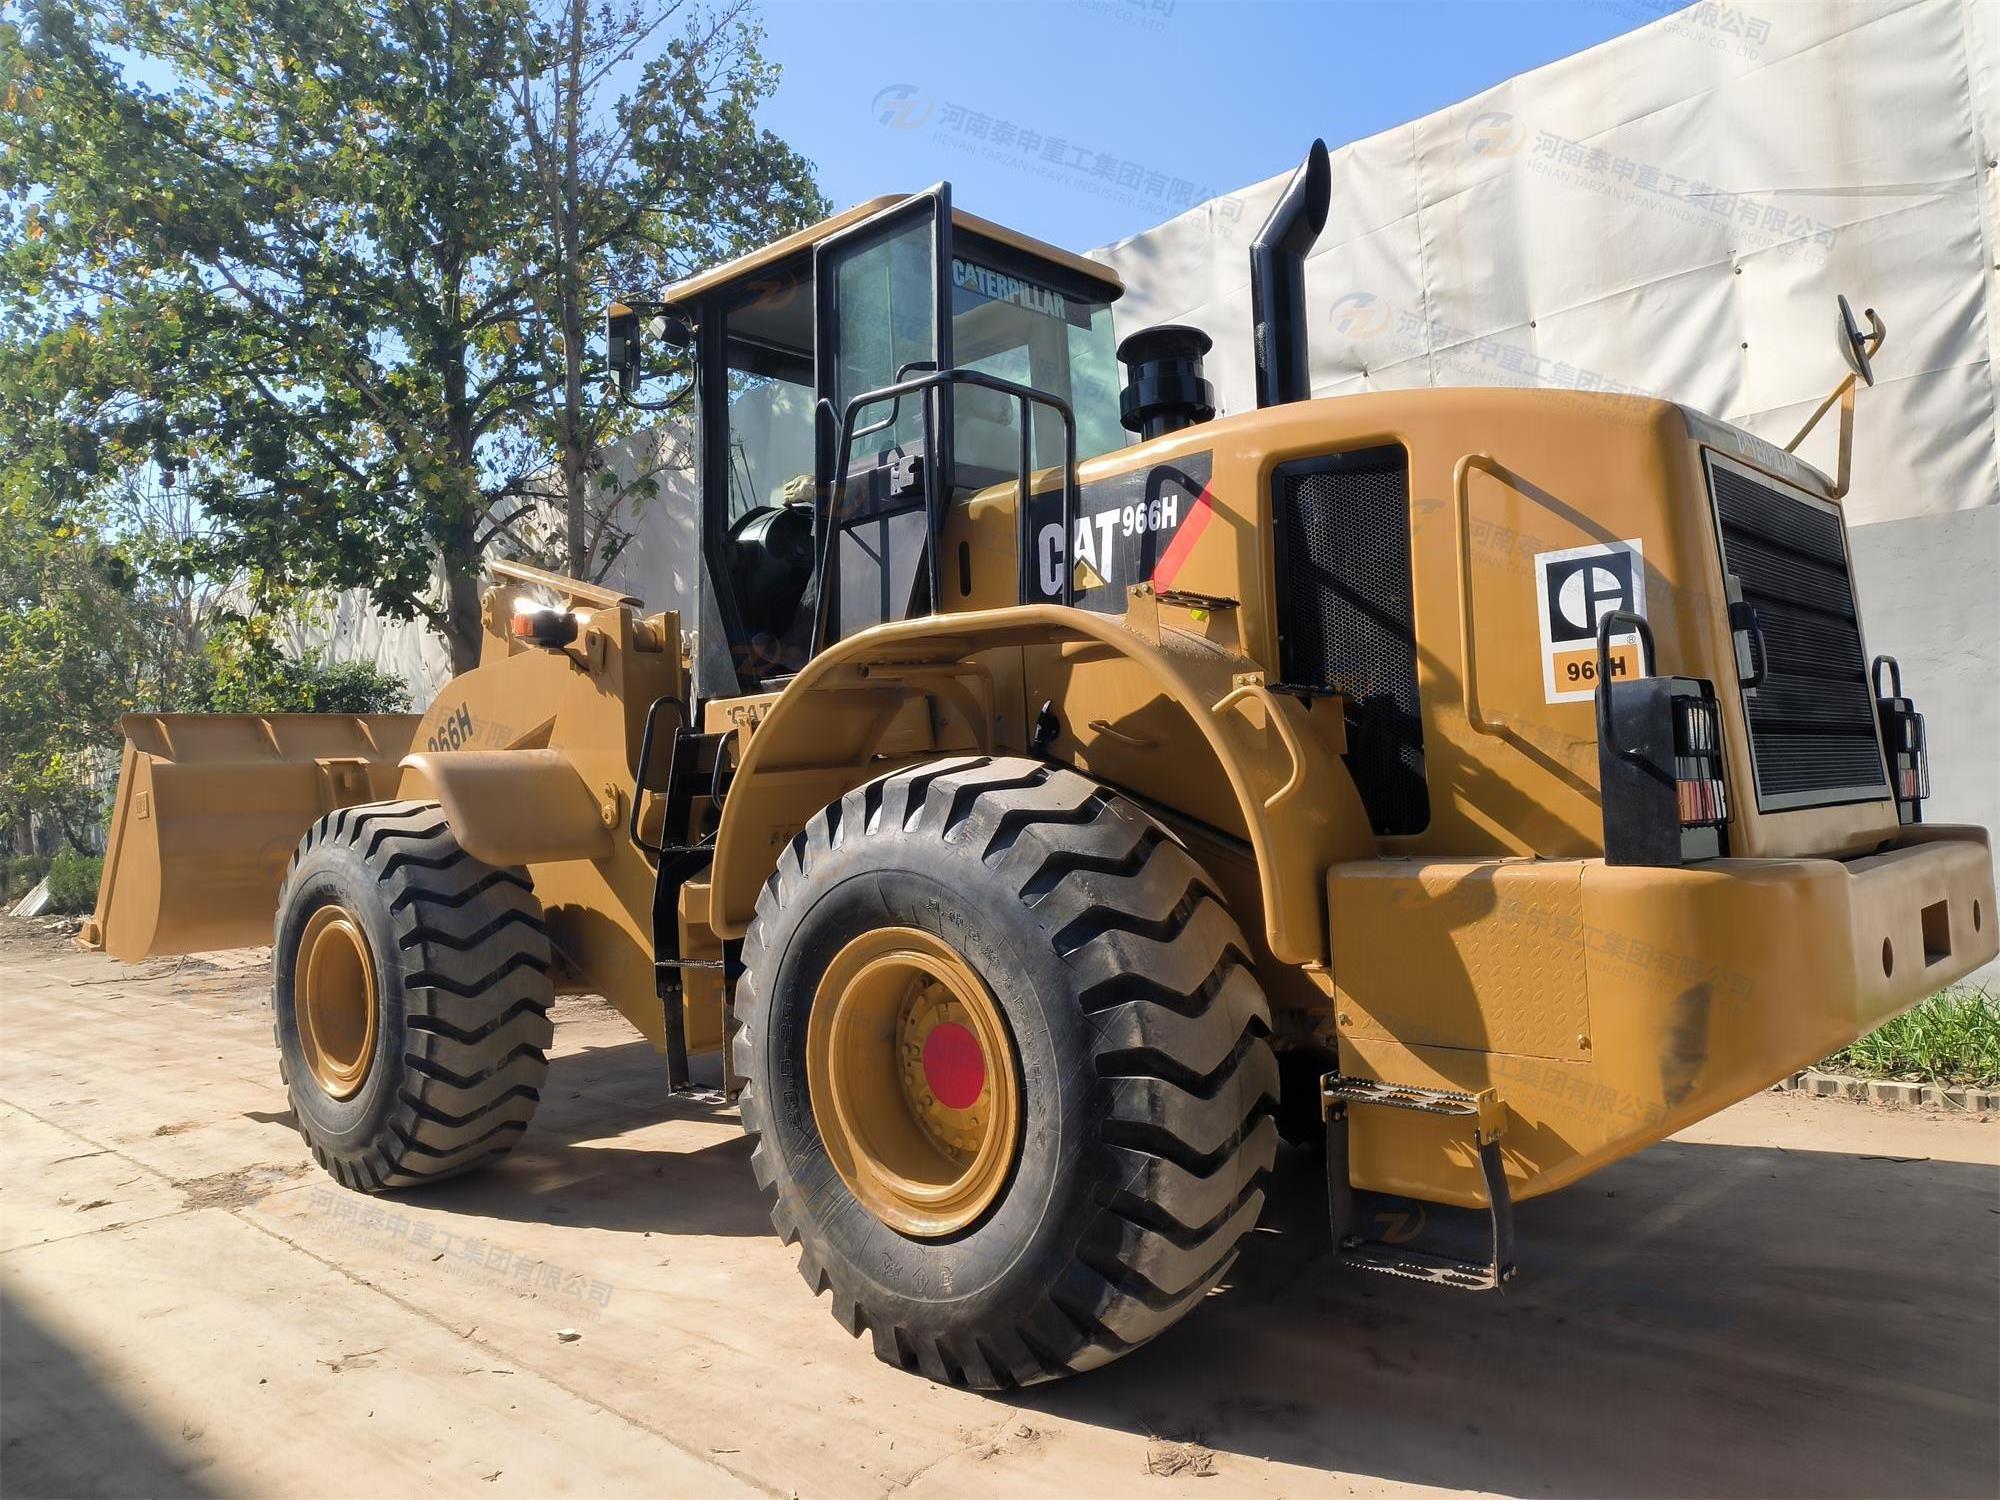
<point>331,266</point>
<point>72,655</point>
<point>252,676</point>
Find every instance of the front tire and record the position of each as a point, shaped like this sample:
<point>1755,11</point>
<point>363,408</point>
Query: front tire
<point>1138,1075</point>
<point>411,994</point>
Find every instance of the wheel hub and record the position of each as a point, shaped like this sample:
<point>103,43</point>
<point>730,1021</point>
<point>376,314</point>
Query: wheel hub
<point>913,1081</point>
<point>335,989</point>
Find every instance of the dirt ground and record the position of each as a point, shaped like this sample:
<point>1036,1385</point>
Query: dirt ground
<point>1798,1297</point>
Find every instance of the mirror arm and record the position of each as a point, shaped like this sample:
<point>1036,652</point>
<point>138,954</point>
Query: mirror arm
<point>624,329</point>
<point>668,404</point>
<point>1859,351</point>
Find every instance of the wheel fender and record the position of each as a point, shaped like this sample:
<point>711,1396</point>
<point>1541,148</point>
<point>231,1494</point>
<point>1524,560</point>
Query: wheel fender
<point>1299,806</point>
<point>513,807</point>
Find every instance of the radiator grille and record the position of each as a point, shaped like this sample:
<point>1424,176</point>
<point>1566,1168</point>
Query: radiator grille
<point>1345,619</point>
<point>1812,721</point>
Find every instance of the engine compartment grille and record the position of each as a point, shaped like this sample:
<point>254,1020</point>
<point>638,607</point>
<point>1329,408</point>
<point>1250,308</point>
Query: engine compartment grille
<point>1813,737</point>
<point>1346,617</point>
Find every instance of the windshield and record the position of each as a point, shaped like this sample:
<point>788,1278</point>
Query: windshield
<point>1025,330</point>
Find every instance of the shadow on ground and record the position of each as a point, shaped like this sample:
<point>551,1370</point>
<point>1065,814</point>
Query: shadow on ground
<point>574,1168</point>
<point>62,1432</point>
<point>1699,1320</point>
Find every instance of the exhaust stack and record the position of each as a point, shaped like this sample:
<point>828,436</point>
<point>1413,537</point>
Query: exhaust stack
<point>1278,280</point>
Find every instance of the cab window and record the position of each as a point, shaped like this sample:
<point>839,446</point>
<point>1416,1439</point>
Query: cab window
<point>886,304</point>
<point>1012,319</point>
<point>767,436</point>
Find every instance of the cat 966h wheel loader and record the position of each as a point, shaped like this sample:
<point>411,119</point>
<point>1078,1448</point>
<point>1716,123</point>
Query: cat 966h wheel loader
<point>1064,790</point>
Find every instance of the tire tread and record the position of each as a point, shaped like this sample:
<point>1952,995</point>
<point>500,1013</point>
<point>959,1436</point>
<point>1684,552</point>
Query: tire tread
<point>474,948</point>
<point>1180,1027</point>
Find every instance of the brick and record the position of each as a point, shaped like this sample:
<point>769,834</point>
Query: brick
<point>1829,1085</point>
<point>1893,1091</point>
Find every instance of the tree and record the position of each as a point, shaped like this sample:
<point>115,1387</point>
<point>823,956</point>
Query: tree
<point>176,611</point>
<point>98,619</point>
<point>250,675</point>
<point>70,654</point>
<point>634,195</point>
<point>309,259</point>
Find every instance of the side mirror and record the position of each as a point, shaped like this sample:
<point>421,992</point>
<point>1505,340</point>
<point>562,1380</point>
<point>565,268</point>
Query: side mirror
<point>626,330</point>
<point>624,341</point>
<point>1856,346</point>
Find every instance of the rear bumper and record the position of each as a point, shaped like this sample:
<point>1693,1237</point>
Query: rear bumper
<point>1610,1006</point>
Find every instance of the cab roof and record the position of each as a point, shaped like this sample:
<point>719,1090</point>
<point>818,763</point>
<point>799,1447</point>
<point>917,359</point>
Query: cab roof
<point>686,291</point>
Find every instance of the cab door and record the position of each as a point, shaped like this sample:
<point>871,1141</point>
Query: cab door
<point>882,315</point>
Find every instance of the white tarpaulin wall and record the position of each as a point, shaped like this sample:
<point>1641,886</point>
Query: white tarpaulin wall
<point>1673,213</point>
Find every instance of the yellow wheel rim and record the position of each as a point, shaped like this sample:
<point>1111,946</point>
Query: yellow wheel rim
<point>913,1081</point>
<point>334,986</point>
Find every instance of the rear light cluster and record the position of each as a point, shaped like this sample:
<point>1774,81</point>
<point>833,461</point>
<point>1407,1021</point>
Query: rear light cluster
<point>1701,791</point>
<point>1659,760</point>
<point>1903,741</point>
<point>1913,766</point>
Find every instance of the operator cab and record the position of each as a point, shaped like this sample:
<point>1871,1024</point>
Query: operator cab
<point>786,340</point>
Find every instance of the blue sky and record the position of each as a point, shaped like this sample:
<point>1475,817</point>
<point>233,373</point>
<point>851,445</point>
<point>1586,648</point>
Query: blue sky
<point>1179,96</point>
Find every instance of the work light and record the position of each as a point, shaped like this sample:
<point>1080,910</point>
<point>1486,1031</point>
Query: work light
<point>539,625</point>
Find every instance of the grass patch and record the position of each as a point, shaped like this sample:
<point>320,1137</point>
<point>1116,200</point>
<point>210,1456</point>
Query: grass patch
<point>1953,1037</point>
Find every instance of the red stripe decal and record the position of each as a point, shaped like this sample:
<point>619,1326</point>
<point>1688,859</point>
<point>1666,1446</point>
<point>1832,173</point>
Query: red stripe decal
<point>1198,517</point>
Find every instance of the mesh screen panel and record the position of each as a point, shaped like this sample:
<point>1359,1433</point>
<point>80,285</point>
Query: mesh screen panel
<point>1345,621</point>
<point>1812,721</point>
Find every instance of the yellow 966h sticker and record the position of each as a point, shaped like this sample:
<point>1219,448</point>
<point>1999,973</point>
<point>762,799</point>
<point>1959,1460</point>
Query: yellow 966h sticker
<point>1575,589</point>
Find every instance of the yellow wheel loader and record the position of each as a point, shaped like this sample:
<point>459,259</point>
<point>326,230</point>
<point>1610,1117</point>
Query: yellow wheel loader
<point>1059,790</point>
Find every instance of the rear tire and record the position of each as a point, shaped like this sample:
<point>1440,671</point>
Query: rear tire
<point>1146,1083</point>
<point>413,1042</point>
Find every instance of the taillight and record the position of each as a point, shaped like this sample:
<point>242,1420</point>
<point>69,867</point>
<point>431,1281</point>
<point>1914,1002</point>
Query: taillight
<point>1702,793</point>
<point>1659,760</point>
<point>1903,741</point>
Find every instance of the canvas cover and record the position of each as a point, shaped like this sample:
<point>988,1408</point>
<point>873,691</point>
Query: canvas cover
<point>1671,212</point>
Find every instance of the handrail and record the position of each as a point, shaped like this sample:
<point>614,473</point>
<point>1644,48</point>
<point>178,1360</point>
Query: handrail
<point>896,406</point>
<point>846,433</point>
<point>1607,725</point>
<point>1461,507</point>
<point>1272,708</point>
<point>1469,667</point>
<point>639,787</point>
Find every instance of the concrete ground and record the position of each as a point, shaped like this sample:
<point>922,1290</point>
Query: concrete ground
<point>1799,1297</point>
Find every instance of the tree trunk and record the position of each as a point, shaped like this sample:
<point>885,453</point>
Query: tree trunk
<point>462,626</point>
<point>569,273</point>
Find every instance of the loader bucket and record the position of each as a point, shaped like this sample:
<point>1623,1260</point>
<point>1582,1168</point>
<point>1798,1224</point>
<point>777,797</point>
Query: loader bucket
<point>210,807</point>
